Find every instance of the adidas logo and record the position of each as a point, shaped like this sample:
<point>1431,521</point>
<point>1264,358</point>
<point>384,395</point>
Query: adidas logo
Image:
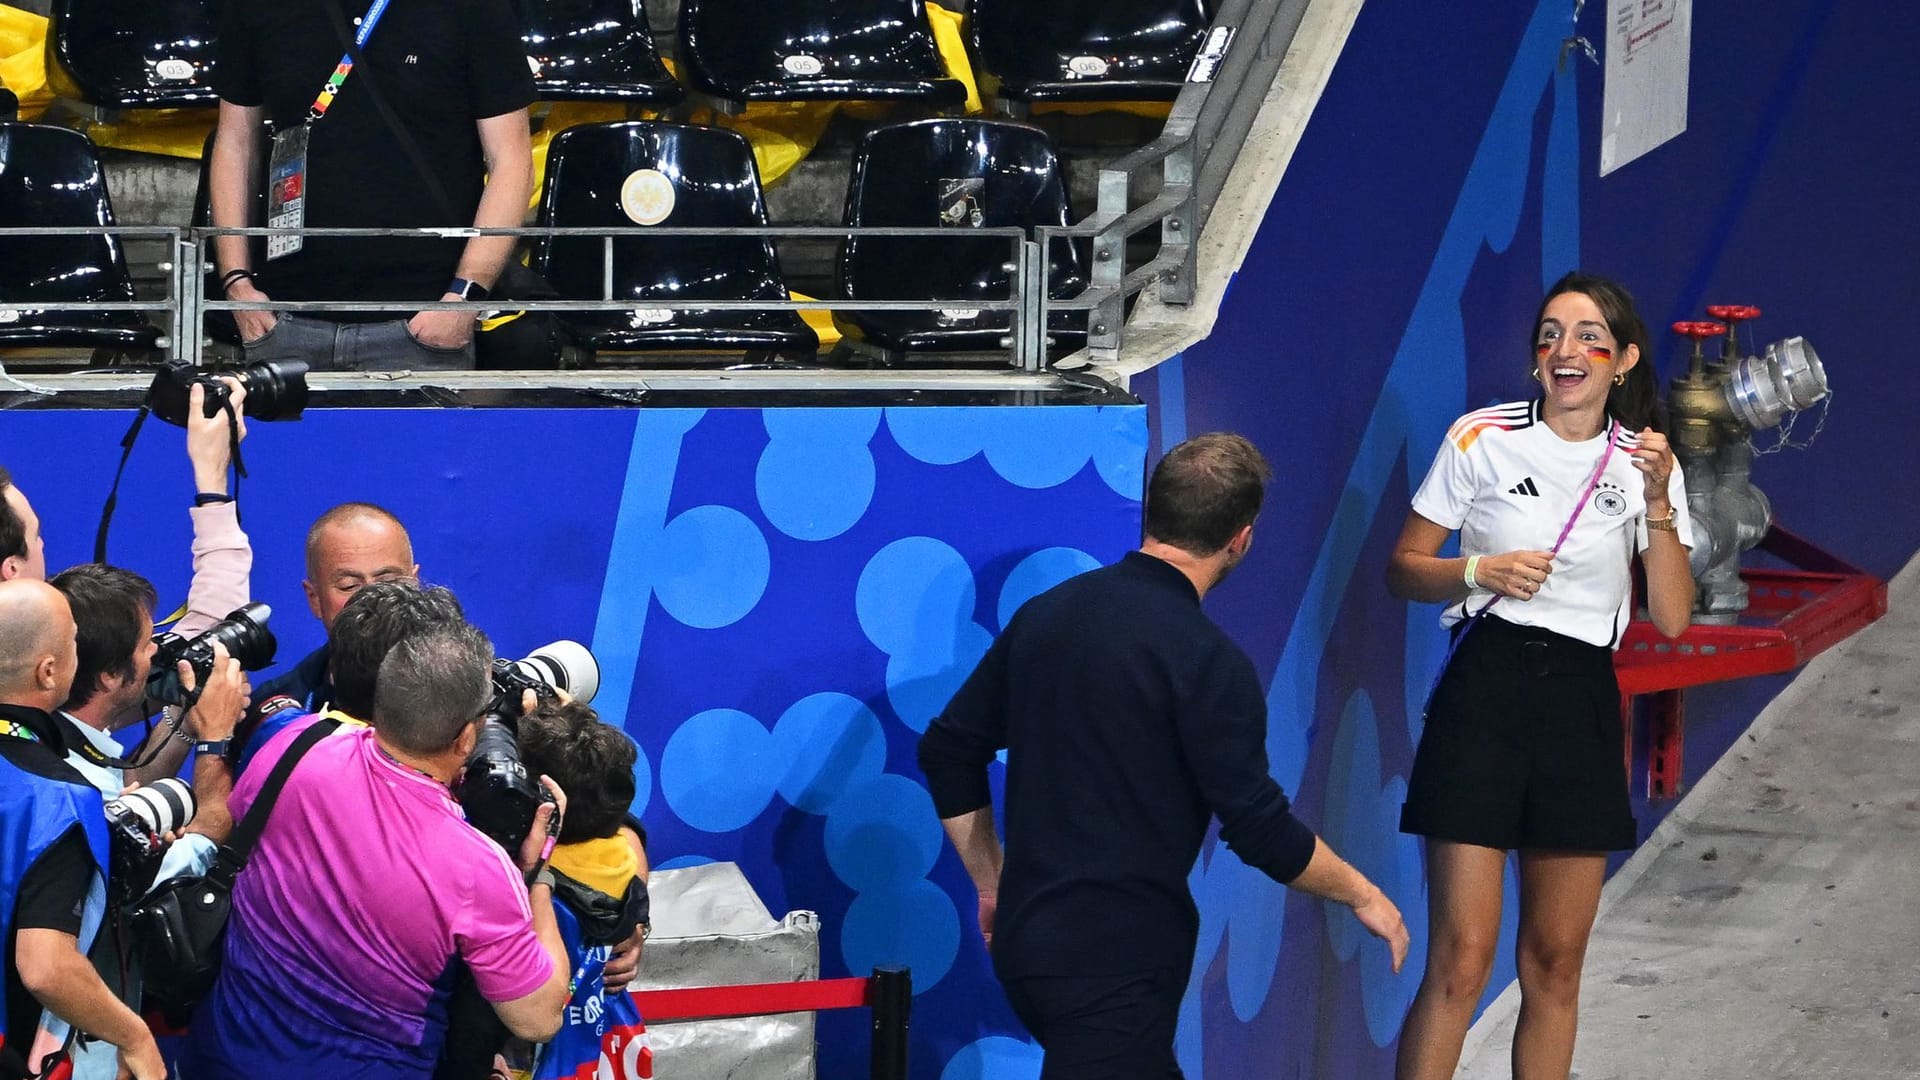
<point>1524,487</point>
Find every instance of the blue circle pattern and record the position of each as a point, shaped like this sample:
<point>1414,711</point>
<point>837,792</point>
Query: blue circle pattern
<point>714,565</point>
<point>883,835</point>
<point>1039,572</point>
<point>832,744</point>
<point>913,924</point>
<point>1362,823</point>
<point>915,602</point>
<point>1031,448</point>
<point>719,770</point>
<point>995,1057</point>
<point>816,477</point>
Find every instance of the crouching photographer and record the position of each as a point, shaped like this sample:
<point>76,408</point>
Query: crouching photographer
<point>367,884</point>
<point>600,889</point>
<point>53,852</point>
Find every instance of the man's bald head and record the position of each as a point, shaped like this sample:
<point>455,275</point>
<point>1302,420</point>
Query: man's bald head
<point>37,653</point>
<point>352,545</point>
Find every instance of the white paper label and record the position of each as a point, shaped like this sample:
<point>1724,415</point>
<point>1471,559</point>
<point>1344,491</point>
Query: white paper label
<point>650,316</point>
<point>174,70</point>
<point>1644,104</point>
<point>1087,67</point>
<point>959,314</point>
<point>533,65</point>
<point>9,315</point>
<point>1211,53</point>
<point>647,196</point>
<point>802,64</point>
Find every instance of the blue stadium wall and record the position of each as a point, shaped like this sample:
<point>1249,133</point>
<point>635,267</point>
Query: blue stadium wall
<point>780,600</point>
<point>1448,174</point>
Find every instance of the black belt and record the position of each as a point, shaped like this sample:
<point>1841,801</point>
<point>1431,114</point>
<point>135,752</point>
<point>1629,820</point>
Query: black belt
<point>1537,652</point>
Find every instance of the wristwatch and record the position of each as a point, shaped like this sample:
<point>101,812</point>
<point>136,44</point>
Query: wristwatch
<point>217,747</point>
<point>1670,523</point>
<point>469,290</point>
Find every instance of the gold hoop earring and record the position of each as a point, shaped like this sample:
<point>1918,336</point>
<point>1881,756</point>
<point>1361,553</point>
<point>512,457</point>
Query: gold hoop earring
<point>1535,373</point>
<point>1620,379</point>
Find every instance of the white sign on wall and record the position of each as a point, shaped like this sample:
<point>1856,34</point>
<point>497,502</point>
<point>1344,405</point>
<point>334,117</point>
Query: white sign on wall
<point>1649,47</point>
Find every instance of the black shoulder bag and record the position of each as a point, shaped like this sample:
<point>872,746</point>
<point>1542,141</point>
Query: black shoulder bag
<point>179,928</point>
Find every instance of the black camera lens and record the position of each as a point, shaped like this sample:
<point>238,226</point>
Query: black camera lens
<point>245,635</point>
<point>275,391</point>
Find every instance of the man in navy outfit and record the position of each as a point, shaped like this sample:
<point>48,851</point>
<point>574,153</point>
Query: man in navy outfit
<point>1129,720</point>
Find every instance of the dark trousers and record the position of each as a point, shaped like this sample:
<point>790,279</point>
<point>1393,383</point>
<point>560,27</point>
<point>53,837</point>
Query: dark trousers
<point>1102,1027</point>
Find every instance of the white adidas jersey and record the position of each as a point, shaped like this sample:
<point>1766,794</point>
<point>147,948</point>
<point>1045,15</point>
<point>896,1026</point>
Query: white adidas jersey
<point>1508,483</point>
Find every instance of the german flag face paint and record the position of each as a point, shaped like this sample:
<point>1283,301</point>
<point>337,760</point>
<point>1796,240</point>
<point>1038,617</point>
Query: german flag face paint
<point>1602,355</point>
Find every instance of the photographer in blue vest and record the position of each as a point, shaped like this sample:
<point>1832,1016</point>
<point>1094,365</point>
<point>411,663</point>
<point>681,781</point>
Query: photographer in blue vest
<point>53,850</point>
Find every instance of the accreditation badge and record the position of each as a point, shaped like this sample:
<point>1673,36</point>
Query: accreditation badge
<point>287,189</point>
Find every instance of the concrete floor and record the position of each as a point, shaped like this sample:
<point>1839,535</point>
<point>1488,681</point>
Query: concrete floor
<point>1771,925</point>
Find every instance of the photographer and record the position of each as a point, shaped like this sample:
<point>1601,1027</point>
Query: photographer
<point>53,849</point>
<point>113,612</point>
<point>368,883</point>
<point>373,620</point>
<point>600,878</point>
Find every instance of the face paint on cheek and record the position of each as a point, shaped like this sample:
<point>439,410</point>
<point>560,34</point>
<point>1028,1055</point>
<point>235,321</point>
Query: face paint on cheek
<point>1604,356</point>
<point>1541,350</point>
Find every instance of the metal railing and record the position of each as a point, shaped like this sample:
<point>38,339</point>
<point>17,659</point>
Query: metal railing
<point>1204,133</point>
<point>1202,138</point>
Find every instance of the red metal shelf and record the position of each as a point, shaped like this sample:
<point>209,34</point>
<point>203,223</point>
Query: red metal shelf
<point>1791,617</point>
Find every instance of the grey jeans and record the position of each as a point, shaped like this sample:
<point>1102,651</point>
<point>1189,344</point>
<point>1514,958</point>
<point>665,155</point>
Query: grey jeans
<point>341,346</point>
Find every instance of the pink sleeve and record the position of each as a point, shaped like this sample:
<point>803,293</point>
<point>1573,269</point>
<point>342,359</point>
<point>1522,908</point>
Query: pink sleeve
<point>495,932</point>
<point>222,568</point>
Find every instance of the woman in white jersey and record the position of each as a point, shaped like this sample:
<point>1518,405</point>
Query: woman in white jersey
<point>1523,742</point>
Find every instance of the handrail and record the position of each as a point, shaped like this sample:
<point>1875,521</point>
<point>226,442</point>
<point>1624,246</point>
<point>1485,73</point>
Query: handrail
<point>1197,147</point>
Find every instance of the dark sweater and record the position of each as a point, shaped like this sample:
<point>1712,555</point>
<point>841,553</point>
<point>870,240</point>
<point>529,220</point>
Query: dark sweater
<point>1129,719</point>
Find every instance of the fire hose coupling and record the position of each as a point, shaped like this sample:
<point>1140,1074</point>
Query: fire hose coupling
<point>1754,393</point>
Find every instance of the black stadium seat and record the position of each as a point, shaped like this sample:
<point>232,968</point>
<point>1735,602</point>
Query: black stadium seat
<point>958,173</point>
<point>646,173</point>
<point>811,50</point>
<point>132,54</point>
<point>50,177</point>
<point>1088,50</point>
<point>594,50</point>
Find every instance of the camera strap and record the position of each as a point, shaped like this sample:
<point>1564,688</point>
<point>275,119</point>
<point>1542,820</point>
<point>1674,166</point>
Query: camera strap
<point>132,436</point>
<point>232,856</point>
<point>113,493</point>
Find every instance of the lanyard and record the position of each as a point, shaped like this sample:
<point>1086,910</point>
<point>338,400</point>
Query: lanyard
<point>1460,632</point>
<point>331,89</point>
<point>17,730</point>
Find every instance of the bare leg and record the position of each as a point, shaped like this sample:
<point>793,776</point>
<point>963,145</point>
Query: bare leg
<point>1463,928</point>
<point>1559,893</point>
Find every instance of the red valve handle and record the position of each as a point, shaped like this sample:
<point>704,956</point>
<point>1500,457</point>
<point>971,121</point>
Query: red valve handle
<point>1733,312</point>
<point>1700,331</point>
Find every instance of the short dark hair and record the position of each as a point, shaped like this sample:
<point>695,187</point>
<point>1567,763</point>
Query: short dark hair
<point>378,617</point>
<point>111,607</point>
<point>590,760</point>
<point>13,531</point>
<point>432,685</point>
<point>1204,491</point>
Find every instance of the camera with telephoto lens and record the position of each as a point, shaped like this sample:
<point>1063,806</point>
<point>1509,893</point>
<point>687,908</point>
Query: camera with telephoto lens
<point>499,796</point>
<point>275,391</point>
<point>138,825</point>
<point>245,635</point>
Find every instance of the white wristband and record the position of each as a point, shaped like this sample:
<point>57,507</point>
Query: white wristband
<point>1473,564</point>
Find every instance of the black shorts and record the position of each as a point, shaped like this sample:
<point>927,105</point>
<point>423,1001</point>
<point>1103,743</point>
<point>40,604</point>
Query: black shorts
<point>1523,746</point>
